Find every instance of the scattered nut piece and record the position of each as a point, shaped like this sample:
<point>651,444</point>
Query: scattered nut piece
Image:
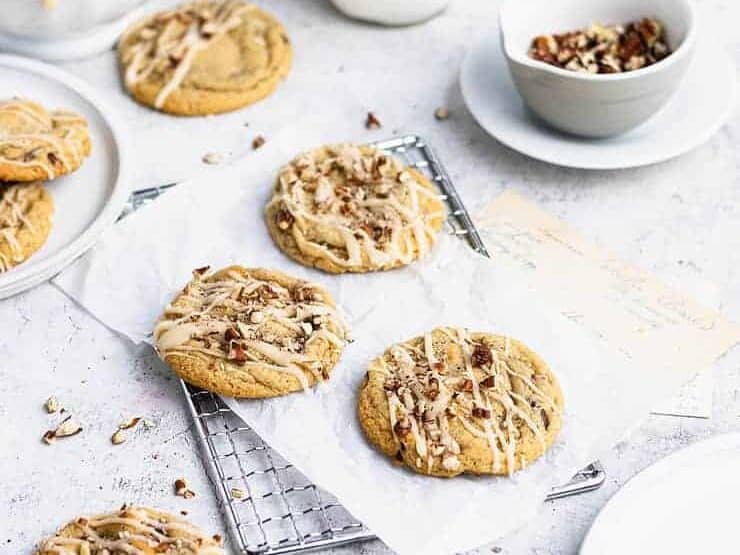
<point>49,4</point>
<point>258,141</point>
<point>118,437</point>
<point>372,121</point>
<point>212,158</point>
<point>181,489</point>
<point>130,424</point>
<point>52,405</point>
<point>68,427</point>
<point>236,493</point>
<point>441,113</point>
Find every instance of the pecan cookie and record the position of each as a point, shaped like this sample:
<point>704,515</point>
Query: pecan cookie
<point>39,144</point>
<point>204,57</point>
<point>26,211</point>
<point>138,530</point>
<point>349,208</point>
<point>254,333</point>
<point>452,402</point>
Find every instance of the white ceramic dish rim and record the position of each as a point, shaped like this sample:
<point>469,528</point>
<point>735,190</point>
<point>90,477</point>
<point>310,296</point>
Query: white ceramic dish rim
<point>544,156</point>
<point>20,278</point>
<point>686,454</point>
<point>683,50</point>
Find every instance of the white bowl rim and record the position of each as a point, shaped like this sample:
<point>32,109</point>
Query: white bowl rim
<point>674,57</point>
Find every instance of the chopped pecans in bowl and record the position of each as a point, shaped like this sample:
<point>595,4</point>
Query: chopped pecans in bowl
<point>604,49</point>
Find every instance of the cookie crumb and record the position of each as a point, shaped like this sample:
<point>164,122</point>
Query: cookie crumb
<point>372,121</point>
<point>212,158</point>
<point>52,405</point>
<point>258,141</point>
<point>441,113</point>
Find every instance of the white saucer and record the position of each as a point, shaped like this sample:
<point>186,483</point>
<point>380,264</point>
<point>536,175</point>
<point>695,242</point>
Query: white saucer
<point>684,504</point>
<point>86,201</point>
<point>700,107</point>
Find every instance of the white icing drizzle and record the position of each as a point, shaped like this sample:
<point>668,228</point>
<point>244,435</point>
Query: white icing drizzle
<point>133,531</point>
<point>465,379</point>
<point>42,138</point>
<point>15,202</point>
<point>250,324</point>
<point>355,206</point>
<point>168,42</point>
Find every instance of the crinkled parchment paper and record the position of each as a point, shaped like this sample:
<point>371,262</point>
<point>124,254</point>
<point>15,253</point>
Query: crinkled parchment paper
<point>217,219</point>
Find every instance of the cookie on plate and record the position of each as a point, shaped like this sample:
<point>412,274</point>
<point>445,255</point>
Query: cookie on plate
<point>139,530</point>
<point>348,208</point>
<point>251,332</point>
<point>36,143</point>
<point>26,211</point>
<point>204,57</point>
<point>453,401</point>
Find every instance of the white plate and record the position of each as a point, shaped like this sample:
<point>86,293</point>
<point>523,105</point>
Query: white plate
<point>86,201</point>
<point>684,504</point>
<point>702,104</point>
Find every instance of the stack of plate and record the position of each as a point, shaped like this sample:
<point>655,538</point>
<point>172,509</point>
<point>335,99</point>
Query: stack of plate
<point>86,201</point>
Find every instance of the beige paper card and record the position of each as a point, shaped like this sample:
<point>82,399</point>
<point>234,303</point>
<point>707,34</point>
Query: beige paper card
<point>627,308</point>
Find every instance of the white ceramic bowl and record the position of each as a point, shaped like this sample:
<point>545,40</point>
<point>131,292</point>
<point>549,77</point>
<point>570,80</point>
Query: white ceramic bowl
<point>28,19</point>
<point>594,105</point>
<point>391,12</point>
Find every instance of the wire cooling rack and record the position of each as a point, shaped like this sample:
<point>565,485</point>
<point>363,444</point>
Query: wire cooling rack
<point>269,506</point>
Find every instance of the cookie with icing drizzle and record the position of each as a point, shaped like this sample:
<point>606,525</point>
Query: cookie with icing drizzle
<point>251,332</point>
<point>347,208</point>
<point>453,401</point>
<point>26,211</point>
<point>131,530</point>
<point>204,57</point>
<point>38,144</point>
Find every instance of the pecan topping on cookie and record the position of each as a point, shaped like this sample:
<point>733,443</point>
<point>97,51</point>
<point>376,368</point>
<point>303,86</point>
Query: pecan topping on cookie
<point>499,408</point>
<point>347,208</point>
<point>255,320</point>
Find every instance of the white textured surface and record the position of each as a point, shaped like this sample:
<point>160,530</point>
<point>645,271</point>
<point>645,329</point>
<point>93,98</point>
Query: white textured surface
<point>680,219</point>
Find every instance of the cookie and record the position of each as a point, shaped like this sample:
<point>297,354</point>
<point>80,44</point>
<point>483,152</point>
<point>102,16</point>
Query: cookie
<point>204,57</point>
<point>452,402</point>
<point>39,144</point>
<point>135,530</point>
<point>250,332</point>
<point>26,211</point>
<point>347,208</point>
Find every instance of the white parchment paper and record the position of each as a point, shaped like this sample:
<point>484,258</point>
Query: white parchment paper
<point>217,219</point>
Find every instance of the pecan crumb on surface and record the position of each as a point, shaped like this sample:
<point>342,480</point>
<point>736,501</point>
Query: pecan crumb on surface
<point>258,141</point>
<point>212,158</point>
<point>236,493</point>
<point>441,113</point>
<point>181,489</point>
<point>604,49</point>
<point>68,427</point>
<point>372,121</point>
<point>52,405</point>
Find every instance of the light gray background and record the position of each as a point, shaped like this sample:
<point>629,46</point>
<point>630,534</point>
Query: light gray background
<point>679,219</point>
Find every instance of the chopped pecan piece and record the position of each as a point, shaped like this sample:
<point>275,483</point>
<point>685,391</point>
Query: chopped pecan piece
<point>372,121</point>
<point>480,412</point>
<point>284,219</point>
<point>489,382</point>
<point>466,385</point>
<point>402,428</point>
<point>481,355</point>
<point>232,334</point>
